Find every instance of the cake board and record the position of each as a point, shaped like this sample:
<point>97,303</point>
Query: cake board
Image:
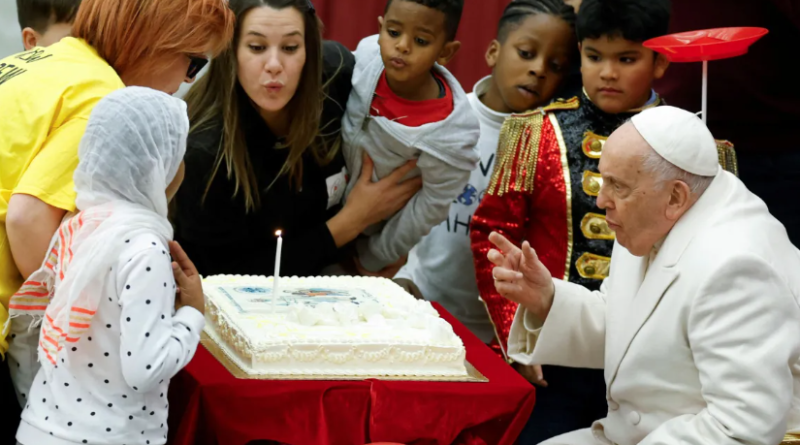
<point>211,340</point>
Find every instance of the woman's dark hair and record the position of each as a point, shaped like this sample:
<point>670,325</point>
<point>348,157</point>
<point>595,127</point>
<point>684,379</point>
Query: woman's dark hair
<point>518,10</point>
<point>216,96</point>
<point>634,20</point>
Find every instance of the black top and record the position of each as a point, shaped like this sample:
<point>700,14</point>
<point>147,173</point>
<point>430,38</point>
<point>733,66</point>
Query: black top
<point>221,237</point>
<point>574,127</point>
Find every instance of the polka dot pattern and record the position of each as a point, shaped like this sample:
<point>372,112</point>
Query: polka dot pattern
<point>114,367</point>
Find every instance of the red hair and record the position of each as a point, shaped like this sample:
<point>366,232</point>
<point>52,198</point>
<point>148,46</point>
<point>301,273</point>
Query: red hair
<point>133,36</point>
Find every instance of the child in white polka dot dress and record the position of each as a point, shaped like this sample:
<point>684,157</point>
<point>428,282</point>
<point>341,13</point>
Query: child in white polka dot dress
<point>115,332</point>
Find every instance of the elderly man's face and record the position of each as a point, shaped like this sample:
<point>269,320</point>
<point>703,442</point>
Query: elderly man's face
<point>636,209</point>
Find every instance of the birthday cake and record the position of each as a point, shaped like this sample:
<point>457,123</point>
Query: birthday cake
<point>330,326</point>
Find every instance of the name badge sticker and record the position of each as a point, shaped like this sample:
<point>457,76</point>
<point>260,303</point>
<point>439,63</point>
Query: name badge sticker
<point>336,187</point>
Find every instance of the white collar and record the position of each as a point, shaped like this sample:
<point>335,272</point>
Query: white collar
<point>485,112</point>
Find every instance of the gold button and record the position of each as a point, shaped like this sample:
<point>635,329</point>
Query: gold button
<point>589,270</point>
<point>595,228</point>
<point>596,146</point>
<point>594,186</point>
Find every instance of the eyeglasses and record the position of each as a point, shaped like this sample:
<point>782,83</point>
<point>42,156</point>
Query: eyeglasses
<point>196,63</point>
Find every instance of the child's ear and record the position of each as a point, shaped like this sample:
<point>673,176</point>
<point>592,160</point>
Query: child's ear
<point>380,24</point>
<point>493,53</point>
<point>448,52</point>
<point>662,63</point>
<point>29,38</point>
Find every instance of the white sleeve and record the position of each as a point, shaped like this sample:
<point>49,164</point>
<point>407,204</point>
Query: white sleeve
<point>744,333</point>
<point>154,343</point>
<point>441,184</point>
<point>574,334</point>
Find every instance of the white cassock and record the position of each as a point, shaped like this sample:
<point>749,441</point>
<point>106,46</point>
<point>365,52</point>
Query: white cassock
<point>700,343</point>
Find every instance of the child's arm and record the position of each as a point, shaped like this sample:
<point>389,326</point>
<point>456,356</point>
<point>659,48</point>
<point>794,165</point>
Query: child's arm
<point>441,184</point>
<point>155,343</point>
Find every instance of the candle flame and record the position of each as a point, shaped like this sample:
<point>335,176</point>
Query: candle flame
<point>278,233</point>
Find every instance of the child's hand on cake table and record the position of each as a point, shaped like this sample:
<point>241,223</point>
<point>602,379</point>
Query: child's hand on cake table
<point>190,286</point>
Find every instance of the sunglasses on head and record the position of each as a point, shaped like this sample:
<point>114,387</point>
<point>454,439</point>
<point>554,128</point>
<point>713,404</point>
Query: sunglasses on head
<point>196,63</point>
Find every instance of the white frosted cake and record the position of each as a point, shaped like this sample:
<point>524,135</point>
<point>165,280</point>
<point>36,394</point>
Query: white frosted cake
<point>330,326</point>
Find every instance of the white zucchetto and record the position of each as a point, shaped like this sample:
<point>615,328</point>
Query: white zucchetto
<point>680,137</point>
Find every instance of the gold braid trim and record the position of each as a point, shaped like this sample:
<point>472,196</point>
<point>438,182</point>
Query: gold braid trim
<point>518,146</point>
<point>727,156</point>
<point>791,439</point>
<point>561,104</point>
<point>518,149</point>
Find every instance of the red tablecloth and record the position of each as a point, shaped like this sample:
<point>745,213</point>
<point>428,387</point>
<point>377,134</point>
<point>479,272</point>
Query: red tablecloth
<point>210,406</point>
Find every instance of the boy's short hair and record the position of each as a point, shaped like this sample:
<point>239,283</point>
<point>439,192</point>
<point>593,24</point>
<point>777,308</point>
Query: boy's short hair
<point>519,10</point>
<point>37,14</point>
<point>634,20</point>
<point>451,8</point>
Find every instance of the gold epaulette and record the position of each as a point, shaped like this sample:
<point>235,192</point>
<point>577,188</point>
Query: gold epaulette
<point>557,105</point>
<point>518,148</point>
<point>791,439</point>
<point>727,156</point>
<point>562,104</point>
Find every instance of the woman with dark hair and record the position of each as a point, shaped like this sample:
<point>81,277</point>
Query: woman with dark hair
<point>264,150</point>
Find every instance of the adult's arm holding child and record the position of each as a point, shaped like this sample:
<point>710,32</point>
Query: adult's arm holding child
<point>44,193</point>
<point>441,184</point>
<point>372,202</point>
<point>30,224</point>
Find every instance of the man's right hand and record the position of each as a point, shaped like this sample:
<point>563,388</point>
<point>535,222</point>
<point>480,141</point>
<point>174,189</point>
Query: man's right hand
<point>520,276</point>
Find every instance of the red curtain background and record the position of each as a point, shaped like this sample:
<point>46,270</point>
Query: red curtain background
<point>349,21</point>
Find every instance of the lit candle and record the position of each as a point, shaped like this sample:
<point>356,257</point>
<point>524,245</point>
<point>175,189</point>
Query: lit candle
<point>277,274</point>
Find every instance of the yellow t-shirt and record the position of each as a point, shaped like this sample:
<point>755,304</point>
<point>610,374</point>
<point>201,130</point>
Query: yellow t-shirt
<point>46,96</point>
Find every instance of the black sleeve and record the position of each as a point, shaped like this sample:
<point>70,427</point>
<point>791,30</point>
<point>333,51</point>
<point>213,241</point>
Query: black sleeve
<point>305,254</point>
<point>206,225</point>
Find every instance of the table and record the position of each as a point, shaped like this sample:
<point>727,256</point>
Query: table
<point>209,406</point>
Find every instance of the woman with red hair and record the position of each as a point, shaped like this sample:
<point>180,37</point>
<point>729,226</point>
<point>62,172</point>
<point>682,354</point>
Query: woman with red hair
<point>47,95</point>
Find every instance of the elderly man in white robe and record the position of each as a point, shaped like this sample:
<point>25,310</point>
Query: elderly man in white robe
<point>697,325</point>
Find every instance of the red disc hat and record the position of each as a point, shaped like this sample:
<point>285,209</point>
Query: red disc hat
<point>707,44</point>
